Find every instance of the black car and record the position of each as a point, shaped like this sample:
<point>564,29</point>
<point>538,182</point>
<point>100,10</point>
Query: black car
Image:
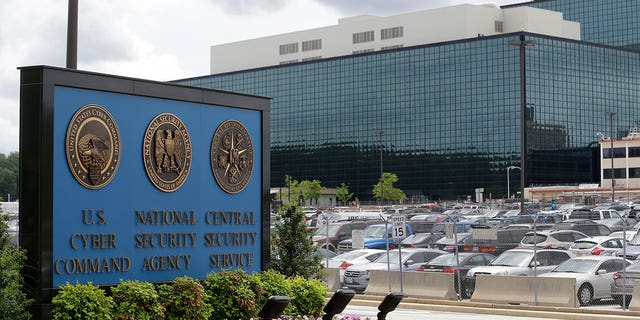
<point>585,226</point>
<point>448,263</point>
<point>421,240</point>
<point>499,241</point>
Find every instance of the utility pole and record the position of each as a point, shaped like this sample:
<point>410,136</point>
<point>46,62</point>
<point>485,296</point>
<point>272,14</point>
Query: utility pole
<point>72,35</point>
<point>613,180</point>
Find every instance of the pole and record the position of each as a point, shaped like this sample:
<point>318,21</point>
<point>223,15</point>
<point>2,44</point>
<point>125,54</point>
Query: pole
<point>72,35</point>
<point>458,282</point>
<point>386,237</point>
<point>624,269</point>
<point>508,185</point>
<point>535,260</point>
<point>613,180</point>
<point>381,173</point>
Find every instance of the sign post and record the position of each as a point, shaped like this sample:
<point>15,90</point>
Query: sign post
<point>399,232</point>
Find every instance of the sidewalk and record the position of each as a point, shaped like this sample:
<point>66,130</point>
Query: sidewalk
<point>501,309</point>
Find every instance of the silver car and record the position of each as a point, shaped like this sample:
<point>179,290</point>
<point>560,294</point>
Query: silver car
<point>357,277</point>
<point>517,262</point>
<point>597,246</point>
<point>593,274</point>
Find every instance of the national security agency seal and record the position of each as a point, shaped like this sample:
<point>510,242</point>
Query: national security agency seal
<point>166,152</point>
<point>232,156</point>
<point>93,146</point>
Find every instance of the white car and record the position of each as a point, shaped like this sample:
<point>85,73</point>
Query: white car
<point>353,258</point>
<point>597,246</point>
<point>517,262</point>
<point>593,275</point>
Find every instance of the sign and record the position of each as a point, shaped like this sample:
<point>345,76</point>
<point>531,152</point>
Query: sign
<point>399,230</point>
<point>129,179</point>
<point>357,239</point>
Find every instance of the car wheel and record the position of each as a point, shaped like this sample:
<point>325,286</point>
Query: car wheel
<point>467,290</point>
<point>618,300</point>
<point>585,294</point>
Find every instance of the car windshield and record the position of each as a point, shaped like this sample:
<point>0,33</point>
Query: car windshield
<point>350,255</point>
<point>322,230</point>
<point>393,257</point>
<point>416,238</point>
<point>583,245</point>
<point>576,266</point>
<point>375,231</point>
<point>512,259</point>
<point>635,241</point>
<point>445,260</point>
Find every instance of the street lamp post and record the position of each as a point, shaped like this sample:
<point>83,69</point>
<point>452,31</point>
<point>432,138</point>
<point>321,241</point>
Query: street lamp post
<point>613,180</point>
<point>508,183</point>
<point>522,44</point>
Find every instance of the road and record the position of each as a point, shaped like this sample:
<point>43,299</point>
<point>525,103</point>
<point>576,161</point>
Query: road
<point>404,314</point>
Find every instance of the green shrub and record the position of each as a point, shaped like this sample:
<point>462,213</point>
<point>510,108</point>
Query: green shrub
<point>233,295</point>
<point>308,296</point>
<point>273,284</point>
<point>135,300</point>
<point>13,302</point>
<point>82,301</point>
<point>185,298</point>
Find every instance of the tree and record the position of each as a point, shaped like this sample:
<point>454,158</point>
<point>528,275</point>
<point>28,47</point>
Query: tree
<point>386,184</point>
<point>292,251</point>
<point>311,190</point>
<point>14,303</point>
<point>343,193</point>
<point>9,171</point>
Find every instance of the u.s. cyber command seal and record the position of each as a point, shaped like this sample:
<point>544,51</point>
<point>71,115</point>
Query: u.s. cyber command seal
<point>232,156</point>
<point>93,146</point>
<point>166,152</point>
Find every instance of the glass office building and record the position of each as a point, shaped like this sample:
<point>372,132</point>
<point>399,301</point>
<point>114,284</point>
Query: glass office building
<point>446,117</point>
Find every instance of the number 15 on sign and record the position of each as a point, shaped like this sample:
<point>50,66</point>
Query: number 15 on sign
<point>399,227</point>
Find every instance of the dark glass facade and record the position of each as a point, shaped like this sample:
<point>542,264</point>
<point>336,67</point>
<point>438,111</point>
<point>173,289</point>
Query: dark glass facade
<point>445,117</point>
<point>610,22</point>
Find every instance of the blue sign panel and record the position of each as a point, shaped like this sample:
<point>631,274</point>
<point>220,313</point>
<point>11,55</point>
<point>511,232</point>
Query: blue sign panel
<point>118,219</point>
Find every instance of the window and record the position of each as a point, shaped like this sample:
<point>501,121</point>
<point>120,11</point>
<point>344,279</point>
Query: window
<point>363,51</point>
<point>391,47</point>
<point>390,33</point>
<point>617,153</point>
<point>312,58</point>
<point>634,172</point>
<point>312,45</point>
<point>634,152</point>
<point>361,37</point>
<point>288,48</point>
<point>617,173</point>
<point>288,61</point>
<point>498,26</point>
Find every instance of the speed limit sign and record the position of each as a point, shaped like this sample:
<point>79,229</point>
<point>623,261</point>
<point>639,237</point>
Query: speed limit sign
<point>399,231</point>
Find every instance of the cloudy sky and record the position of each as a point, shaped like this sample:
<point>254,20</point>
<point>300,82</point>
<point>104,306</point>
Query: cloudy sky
<point>156,39</point>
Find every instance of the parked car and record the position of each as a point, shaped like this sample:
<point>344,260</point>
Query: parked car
<point>357,277</point>
<point>617,224</point>
<point>552,239</point>
<point>622,286</point>
<point>632,251</point>
<point>593,275</point>
<point>517,262</point>
<point>594,214</point>
<point>376,236</point>
<point>505,239</point>
<point>585,226</point>
<point>449,244</point>
<point>354,258</point>
<point>337,232</point>
<point>448,263</point>
<point>421,240</point>
<point>597,246</point>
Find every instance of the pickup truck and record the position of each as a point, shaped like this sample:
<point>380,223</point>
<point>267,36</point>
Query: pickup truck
<point>375,237</point>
